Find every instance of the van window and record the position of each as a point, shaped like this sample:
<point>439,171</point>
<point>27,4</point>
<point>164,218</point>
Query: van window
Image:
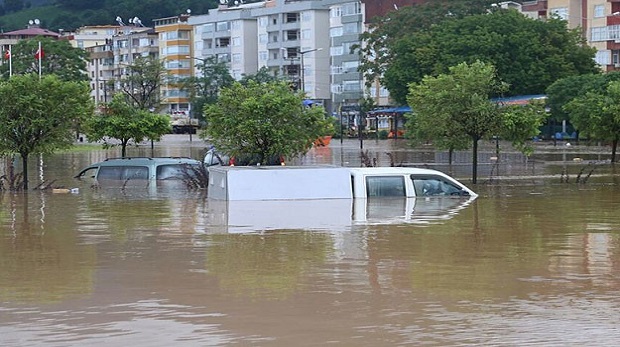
<point>385,186</point>
<point>123,173</point>
<point>434,186</point>
<point>172,171</point>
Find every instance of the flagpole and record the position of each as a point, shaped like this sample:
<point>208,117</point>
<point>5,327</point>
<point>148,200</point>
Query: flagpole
<point>40,54</point>
<point>10,62</point>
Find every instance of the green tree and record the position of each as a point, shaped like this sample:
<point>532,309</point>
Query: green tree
<point>59,58</point>
<point>263,120</point>
<point>385,32</point>
<point>529,54</point>
<point>205,88</point>
<point>462,102</point>
<point>37,116</point>
<point>124,122</point>
<point>143,83</point>
<point>263,75</point>
<point>596,114</point>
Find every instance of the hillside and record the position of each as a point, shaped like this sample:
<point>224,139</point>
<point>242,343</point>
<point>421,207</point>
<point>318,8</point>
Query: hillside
<point>72,14</point>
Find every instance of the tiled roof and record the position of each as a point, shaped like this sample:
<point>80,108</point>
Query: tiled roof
<point>31,32</point>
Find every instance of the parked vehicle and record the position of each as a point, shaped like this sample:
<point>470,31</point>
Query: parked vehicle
<point>329,182</point>
<point>139,168</point>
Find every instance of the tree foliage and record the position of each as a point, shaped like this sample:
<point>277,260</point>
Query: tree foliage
<point>452,106</point>
<point>142,85</point>
<point>387,32</point>
<point>205,88</point>
<point>59,58</point>
<point>72,14</point>
<point>529,54</point>
<point>596,114</point>
<point>263,75</point>
<point>37,116</point>
<point>566,89</point>
<point>263,120</point>
<point>121,122</point>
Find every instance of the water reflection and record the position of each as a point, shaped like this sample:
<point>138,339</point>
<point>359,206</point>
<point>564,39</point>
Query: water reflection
<point>528,263</point>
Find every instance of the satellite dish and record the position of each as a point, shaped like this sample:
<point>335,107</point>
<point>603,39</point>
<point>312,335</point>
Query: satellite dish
<point>188,11</point>
<point>37,22</point>
<point>223,2</point>
<point>31,22</point>
<point>130,20</point>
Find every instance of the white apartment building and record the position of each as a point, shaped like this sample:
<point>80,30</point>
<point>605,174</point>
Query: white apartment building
<point>306,41</point>
<point>109,61</point>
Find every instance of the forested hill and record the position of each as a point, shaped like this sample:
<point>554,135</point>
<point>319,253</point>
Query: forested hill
<point>72,14</point>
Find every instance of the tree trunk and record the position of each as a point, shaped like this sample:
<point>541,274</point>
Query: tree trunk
<point>124,148</point>
<point>474,161</point>
<point>25,169</point>
<point>614,145</point>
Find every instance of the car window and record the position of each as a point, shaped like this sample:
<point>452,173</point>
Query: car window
<point>383,186</point>
<point>434,186</point>
<point>172,171</point>
<point>90,172</point>
<point>123,173</point>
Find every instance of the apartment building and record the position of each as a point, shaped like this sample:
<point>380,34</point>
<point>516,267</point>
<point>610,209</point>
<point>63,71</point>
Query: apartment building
<point>110,58</point>
<point>175,36</point>
<point>598,19</point>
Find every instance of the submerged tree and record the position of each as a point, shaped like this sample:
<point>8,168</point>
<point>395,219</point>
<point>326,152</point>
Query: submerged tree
<point>263,120</point>
<point>450,108</point>
<point>597,115</point>
<point>124,122</point>
<point>37,116</point>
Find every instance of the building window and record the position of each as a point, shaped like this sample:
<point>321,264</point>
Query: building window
<point>352,86</point>
<point>208,28</point>
<point>350,66</point>
<point>262,22</point>
<point>236,58</point>
<point>335,32</point>
<point>351,28</point>
<point>262,38</point>
<point>351,9</point>
<point>306,34</point>
<point>603,57</point>
<point>236,41</point>
<point>335,12</point>
<point>337,50</point>
<point>348,47</point>
<point>306,16</point>
<point>599,11</point>
<point>291,17</point>
<point>236,25</point>
<point>222,26</point>
<point>263,55</point>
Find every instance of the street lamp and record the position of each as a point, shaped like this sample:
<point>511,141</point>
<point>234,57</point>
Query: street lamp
<point>302,53</point>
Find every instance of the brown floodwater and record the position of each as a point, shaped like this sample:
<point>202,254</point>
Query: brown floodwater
<point>530,262</point>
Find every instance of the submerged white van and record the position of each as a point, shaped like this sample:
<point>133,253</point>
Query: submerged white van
<point>235,183</point>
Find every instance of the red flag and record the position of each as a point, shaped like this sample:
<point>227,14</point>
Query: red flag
<point>7,54</point>
<point>39,54</point>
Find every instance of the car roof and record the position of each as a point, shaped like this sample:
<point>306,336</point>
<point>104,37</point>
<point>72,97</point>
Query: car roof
<point>145,161</point>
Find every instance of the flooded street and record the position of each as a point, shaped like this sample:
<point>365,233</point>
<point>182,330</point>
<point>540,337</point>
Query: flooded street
<point>530,262</point>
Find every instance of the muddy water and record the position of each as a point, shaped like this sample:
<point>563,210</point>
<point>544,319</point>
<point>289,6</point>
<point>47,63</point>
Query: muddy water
<point>528,263</point>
